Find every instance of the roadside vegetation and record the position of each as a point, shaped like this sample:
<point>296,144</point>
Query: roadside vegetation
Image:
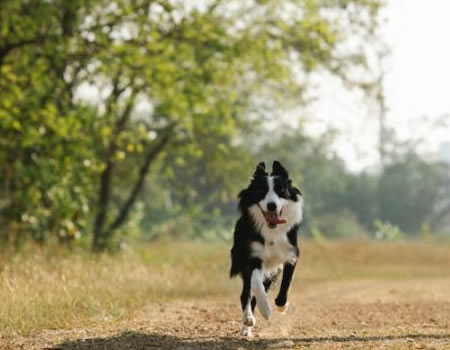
<point>42,288</point>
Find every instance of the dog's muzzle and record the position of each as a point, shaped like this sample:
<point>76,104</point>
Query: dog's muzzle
<point>272,217</point>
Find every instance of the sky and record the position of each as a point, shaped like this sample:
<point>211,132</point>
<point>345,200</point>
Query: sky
<point>417,85</point>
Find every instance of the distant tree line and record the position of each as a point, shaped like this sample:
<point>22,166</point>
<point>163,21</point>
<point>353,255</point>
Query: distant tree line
<point>408,191</point>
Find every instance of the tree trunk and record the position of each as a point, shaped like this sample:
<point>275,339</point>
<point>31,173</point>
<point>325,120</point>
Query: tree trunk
<point>101,236</point>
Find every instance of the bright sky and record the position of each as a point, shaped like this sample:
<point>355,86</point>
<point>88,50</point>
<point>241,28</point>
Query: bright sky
<point>419,80</point>
<point>417,84</point>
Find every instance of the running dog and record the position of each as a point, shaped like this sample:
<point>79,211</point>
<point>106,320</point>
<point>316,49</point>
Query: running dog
<point>265,241</point>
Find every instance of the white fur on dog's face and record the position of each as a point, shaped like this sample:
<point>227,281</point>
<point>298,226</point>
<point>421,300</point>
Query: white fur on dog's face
<point>292,211</point>
<point>272,197</point>
<point>279,250</point>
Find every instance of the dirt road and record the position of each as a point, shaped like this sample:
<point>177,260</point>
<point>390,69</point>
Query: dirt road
<point>361,314</point>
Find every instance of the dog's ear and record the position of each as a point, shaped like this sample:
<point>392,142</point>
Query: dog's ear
<point>243,193</point>
<point>294,189</point>
<point>260,170</point>
<point>279,170</point>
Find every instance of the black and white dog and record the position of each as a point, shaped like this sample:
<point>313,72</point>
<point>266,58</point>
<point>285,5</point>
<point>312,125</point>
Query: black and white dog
<point>265,240</point>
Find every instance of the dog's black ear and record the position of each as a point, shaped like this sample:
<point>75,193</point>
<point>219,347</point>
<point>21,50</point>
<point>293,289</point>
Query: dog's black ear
<point>243,193</point>
<point>296,191</point>
<point>279,170</point>
<point>260,170</point>
<point>293,191</point>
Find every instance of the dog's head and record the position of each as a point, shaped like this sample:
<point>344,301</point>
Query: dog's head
<point>270,193</point>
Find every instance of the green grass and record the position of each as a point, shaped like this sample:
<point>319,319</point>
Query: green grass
<point>44,288</point>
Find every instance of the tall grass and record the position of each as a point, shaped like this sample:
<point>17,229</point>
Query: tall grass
<point>44,288</point>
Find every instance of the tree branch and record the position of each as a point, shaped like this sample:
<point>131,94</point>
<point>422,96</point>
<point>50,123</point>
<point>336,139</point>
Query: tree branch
<point>150,157</point>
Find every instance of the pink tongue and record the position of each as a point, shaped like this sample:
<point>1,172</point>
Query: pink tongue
<point>274,219</point>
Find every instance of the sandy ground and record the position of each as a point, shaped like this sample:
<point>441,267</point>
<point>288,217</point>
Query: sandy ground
<point>356,314</point>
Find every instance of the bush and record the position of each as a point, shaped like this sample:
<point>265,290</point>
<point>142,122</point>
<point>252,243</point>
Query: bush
<point>340,225</point>
<point>387,231</point>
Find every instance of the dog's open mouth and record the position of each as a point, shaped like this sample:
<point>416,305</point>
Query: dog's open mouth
<point>273,218</point>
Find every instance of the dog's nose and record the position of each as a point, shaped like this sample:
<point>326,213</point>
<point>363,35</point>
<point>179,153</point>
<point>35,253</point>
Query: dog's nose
<point>271,206</point>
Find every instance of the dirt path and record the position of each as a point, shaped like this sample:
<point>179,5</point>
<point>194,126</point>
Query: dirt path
<point>333,315</point>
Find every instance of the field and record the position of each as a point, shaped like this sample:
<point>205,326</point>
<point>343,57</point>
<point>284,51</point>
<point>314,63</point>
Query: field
<point>346,295</point>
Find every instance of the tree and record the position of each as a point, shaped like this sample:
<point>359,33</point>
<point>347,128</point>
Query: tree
<point>412,192</point>
<point>166,75</point>
<point>44,149</point>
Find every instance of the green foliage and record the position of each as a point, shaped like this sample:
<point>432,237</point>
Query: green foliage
<point>412,191</point>
<point>95,95</point>
<point>386,231</point>
<point>341,224</point>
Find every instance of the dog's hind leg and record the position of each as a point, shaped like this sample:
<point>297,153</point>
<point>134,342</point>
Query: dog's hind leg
<point>259,290</point>
<point>281,300</point>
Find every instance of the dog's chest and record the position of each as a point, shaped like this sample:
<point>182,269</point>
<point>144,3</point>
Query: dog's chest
<point>275,251</point>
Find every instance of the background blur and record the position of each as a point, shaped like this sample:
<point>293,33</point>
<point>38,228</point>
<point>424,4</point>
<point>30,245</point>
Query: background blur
<point>141,119</point>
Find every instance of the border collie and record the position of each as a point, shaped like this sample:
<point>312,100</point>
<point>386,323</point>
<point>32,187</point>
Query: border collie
<point>265,241</point>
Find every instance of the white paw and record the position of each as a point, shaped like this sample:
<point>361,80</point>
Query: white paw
<point>264,307</point>
<point>283,308</point>
<point>246,331</point>
<point>248,319</point>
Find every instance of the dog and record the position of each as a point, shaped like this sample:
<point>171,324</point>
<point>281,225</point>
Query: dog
<point>265,241</point>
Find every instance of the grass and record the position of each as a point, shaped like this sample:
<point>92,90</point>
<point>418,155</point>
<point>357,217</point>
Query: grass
<point>49,289</point>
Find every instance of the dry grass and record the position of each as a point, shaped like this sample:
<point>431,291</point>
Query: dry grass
<point>42,290</point>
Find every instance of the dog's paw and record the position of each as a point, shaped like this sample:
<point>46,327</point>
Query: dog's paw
<point>248,319</point>
<point>264,307</point>
<point>283,308</point>
<point>246,331</point>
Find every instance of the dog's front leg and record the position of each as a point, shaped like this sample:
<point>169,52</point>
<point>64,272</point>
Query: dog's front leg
<point>248,320</point>
<point>281,299</point>
<point>257,283</point>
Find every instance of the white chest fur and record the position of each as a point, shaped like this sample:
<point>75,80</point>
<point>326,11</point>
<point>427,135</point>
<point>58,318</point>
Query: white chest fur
<point>276,250</point>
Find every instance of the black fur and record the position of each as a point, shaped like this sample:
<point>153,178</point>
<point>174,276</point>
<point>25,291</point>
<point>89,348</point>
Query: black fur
<point>246,232</point>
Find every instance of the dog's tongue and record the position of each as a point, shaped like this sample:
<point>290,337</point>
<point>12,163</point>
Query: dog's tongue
<point>274,219</point>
